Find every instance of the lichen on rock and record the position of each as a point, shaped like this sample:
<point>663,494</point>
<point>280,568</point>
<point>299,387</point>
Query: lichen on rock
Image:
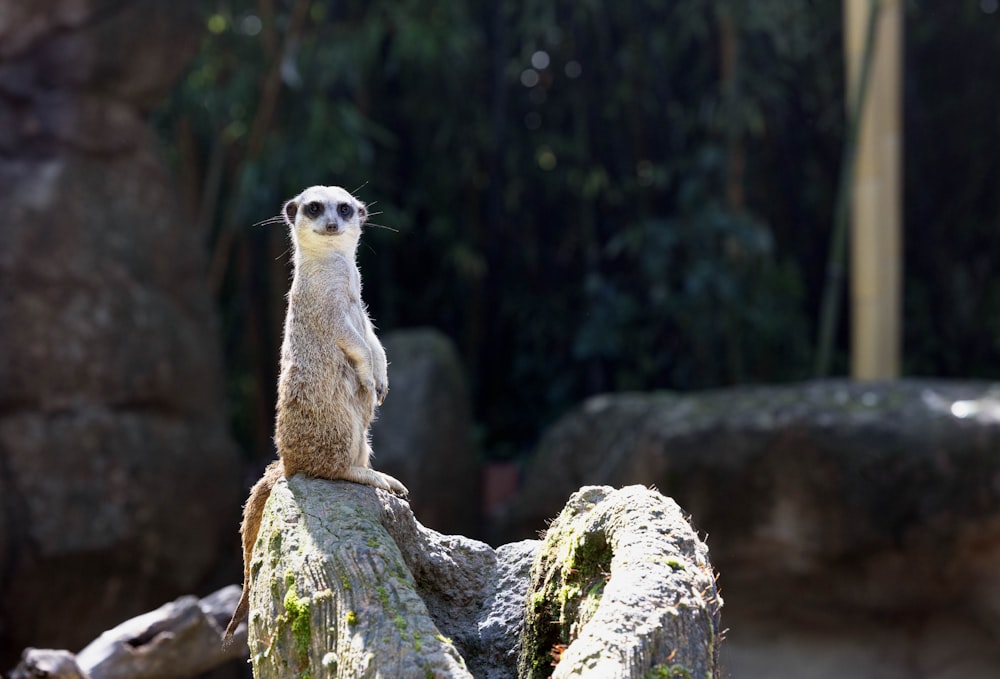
<point>623,587</point>
<point>334,596</point>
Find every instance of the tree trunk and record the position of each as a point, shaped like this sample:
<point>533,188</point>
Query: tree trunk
<point>622,587</point>
<point>346,583</point>
<point>333,596</point>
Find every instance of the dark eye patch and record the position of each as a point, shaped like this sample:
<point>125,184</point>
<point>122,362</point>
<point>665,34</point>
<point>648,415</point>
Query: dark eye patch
<point>314,209</point>
<point>345,210</point>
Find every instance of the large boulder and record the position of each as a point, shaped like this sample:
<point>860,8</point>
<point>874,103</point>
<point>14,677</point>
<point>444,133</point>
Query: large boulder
<point>346,583</point>
<point>423,435</point>
<point>182,638</point>
<point>856,526</point>
<point>119,484</point>
<point>622,587</point>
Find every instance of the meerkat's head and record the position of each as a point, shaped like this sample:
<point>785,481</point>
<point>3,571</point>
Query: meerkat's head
<point>325,219</point>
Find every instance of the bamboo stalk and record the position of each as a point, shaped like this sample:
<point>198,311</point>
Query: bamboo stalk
<point>833,288</point>
<point>877,213</point>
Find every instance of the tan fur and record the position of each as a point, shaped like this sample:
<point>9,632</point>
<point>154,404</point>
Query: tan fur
<point>333,367</point>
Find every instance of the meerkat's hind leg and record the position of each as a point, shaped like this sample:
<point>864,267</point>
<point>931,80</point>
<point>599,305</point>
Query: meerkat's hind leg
<point>370,477</point>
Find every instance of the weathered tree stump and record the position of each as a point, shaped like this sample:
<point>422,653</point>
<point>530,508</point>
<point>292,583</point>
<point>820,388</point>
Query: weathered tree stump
<point>182,638</point>
<point>346,583</point>
<point>622,587</point>
<point>332,593</point>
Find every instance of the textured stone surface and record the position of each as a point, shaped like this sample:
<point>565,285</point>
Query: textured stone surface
<point>182,638</point>
<point>49,663</point>
<point>383,595</point>
<point>119,485</point>
<point>855,527</point>
<point>345,610</point>
<point>623,588</point>
<point>380,593</point>
<point>502,619</point>
<point>423,434</point>
<point>79,73</point>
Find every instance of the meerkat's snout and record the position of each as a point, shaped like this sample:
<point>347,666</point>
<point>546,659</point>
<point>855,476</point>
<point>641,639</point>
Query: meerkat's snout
<point>325,211</point>
<point>341,217</point>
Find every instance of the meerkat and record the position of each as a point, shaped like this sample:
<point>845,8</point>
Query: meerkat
<point>333,367</point>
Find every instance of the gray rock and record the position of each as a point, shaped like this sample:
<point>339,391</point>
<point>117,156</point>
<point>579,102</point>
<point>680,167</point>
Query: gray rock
<point>623,587</point>
<point>119,485</point>
<point>48,663</point>
<point>423,434</point>
<point>346,582</point>
<point>183,638</point>
<point>502,619</point>
<point>856,526</point>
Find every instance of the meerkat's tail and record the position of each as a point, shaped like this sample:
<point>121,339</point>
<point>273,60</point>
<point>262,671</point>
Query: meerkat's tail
<point>252,512</point>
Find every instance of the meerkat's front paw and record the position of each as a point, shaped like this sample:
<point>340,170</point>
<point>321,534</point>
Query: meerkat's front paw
<point>381,389</point>
<point>395,486</point>
<point>366,382</point>
<point>370,477</point>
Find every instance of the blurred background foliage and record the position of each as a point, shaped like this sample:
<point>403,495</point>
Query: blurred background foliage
<point>585,196</point>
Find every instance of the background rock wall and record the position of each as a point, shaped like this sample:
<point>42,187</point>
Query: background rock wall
<point>119,485</point>
<point>855,526</point>
<point>423,435</point>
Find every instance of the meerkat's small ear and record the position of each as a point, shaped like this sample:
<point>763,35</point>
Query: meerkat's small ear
<point>290,210</point>
<point>362,211</point>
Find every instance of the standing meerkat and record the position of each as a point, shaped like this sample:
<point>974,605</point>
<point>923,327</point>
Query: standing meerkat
<point>333,367</point>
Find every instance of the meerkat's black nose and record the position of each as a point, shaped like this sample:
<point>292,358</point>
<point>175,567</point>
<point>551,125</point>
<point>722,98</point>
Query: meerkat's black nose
<point>332,227</point>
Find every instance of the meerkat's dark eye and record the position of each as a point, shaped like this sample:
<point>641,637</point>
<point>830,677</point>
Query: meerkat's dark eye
<point>314,209</point>
<point>345,210</point>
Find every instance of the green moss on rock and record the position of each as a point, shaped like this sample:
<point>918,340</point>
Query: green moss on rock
<point>297,612</point>
<point>668,672</point>
<point>569,576</point>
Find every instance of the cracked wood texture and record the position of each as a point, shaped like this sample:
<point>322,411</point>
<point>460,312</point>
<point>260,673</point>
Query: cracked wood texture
<point>346,583</point>
<point>622,587</point>
<point>331,593</point>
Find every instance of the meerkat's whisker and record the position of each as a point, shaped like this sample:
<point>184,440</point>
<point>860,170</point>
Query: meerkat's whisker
<point>382,226</point>
<point>277,219</point>
<point>363,185</point>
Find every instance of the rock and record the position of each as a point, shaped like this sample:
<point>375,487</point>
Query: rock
<point>119,484</point>
<point>333,595</point>
<point>856,526</point>
<point>423,434</point>
<point>622,588</point>
<point>346,582</point>
<point>500,623</point>
<point>48,663</point>
<point>71,68</point>
<point>182,638</point>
